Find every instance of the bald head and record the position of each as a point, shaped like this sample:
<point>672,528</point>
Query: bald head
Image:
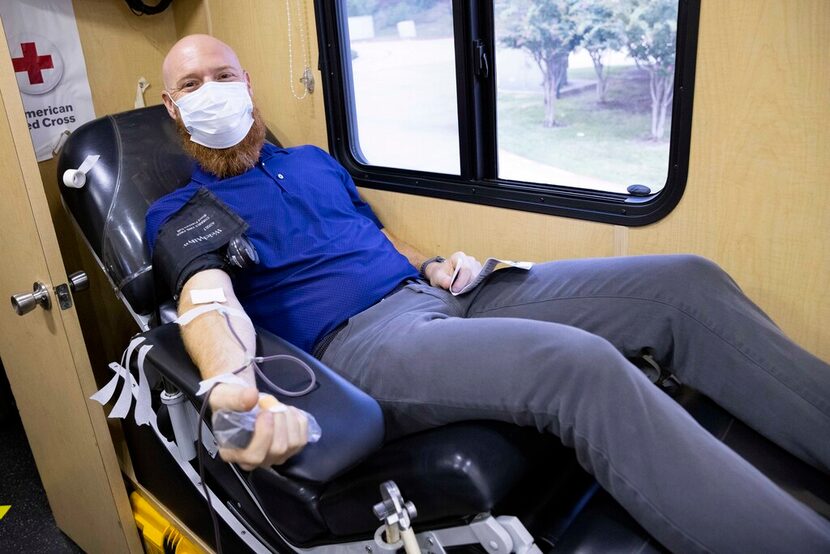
<point>194,60</point>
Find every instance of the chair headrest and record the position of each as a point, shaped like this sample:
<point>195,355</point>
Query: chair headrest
<point>141,159</point>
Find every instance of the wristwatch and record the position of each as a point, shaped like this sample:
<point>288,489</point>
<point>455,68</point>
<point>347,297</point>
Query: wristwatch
<point>422,272</point>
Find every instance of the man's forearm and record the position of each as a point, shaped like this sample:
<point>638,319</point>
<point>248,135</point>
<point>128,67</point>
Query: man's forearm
<point>208,338</point>
<point>459,268</point>
<point>415,257</point>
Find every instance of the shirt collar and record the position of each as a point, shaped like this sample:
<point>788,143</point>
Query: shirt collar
<point>267,152</point>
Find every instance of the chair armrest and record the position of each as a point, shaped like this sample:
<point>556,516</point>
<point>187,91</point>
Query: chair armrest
<point>351,421</point>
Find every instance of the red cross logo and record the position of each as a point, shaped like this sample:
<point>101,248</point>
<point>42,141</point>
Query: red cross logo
<point>31,63</point>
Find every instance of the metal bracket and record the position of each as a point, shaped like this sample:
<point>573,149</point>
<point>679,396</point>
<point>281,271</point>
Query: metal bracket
<point>392,510</point>
<point>501,535</point>
<point>64,298</point>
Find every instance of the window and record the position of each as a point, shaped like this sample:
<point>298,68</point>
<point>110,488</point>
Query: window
<point>573,107</point>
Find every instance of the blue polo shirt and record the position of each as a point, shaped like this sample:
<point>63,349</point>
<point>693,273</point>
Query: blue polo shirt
<point>322,255</point>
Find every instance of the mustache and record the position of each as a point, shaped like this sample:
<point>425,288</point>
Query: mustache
<point>227,162</point>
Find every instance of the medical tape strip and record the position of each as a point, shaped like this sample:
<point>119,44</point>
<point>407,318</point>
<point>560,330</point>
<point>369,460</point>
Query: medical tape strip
<point>103,396</point>
<point>143,402</point>
<point>232,521</point>
<point>122,406</point>
<point>144,414</point>
<point>107,391</point>
<point>190,315</point>
<point>207,296</point>
<point>229,378</point>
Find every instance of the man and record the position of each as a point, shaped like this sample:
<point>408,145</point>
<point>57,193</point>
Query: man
<point>544,348</point>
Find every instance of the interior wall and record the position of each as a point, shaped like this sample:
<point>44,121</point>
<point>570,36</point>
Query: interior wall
<point>758,199</point>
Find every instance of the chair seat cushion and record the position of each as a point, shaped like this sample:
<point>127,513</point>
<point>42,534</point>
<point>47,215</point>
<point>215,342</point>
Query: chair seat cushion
<point>449,473</point>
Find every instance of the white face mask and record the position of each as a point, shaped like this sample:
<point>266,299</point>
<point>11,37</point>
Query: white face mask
<point>217,114</point>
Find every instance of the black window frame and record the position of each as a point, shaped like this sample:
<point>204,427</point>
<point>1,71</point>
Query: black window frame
<point>478,181</point>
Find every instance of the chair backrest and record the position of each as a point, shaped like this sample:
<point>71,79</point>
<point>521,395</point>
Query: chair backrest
<point>141,159</point>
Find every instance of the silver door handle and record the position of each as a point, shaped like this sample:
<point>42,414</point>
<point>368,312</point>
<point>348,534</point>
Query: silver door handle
<point>25,302</point>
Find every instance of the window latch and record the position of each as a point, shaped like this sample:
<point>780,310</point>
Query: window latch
<point>481,65</point>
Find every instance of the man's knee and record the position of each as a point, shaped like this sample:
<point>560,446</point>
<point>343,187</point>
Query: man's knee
<point>691,268</point>
<point>593,361</point>
<point>688,273</point>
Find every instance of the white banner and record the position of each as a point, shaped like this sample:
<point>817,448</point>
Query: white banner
<point>49,65</point>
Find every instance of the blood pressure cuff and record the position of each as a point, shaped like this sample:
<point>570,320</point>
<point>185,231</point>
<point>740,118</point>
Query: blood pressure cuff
<point>194,239</point>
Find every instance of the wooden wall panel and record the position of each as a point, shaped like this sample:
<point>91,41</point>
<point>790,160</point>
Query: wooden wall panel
<point>46,357</point>
<point>191,17</point>
<point>258,31</point>
<point>758,199</point>
<point>443,226</point>
<point>119,48</point>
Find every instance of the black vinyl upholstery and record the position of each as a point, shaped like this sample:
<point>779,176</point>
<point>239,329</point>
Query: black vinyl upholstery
<point>141,160</point>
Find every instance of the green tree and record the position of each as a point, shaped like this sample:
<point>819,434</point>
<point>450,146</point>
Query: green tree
<point>650,33</point>
<point>600,30</point>
<point>548,30</point>
<point>361,7</point>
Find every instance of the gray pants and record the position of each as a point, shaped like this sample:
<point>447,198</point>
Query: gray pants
<point>547,348</point>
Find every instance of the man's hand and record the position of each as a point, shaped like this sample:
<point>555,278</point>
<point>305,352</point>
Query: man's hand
<point>277,436</point>
<point>440,275</point>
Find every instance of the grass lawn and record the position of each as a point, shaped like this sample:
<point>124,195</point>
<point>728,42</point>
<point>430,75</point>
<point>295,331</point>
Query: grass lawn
<point>608,141</point>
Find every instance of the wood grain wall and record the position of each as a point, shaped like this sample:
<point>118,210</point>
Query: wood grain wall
<point>757,198</point>
<point>758,195</point>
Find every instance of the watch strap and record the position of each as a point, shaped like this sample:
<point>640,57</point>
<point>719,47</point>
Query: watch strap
<point>422,271</point>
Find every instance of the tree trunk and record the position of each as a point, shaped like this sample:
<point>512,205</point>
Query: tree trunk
<point>549,86</point>
<point>602,75</point>
<point>554,70</point>
<point>661,88</point>
<point>661,103</point>
<point>560,64</point>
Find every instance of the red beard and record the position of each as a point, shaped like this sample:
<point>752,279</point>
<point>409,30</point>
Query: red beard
<point>227,162</point>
